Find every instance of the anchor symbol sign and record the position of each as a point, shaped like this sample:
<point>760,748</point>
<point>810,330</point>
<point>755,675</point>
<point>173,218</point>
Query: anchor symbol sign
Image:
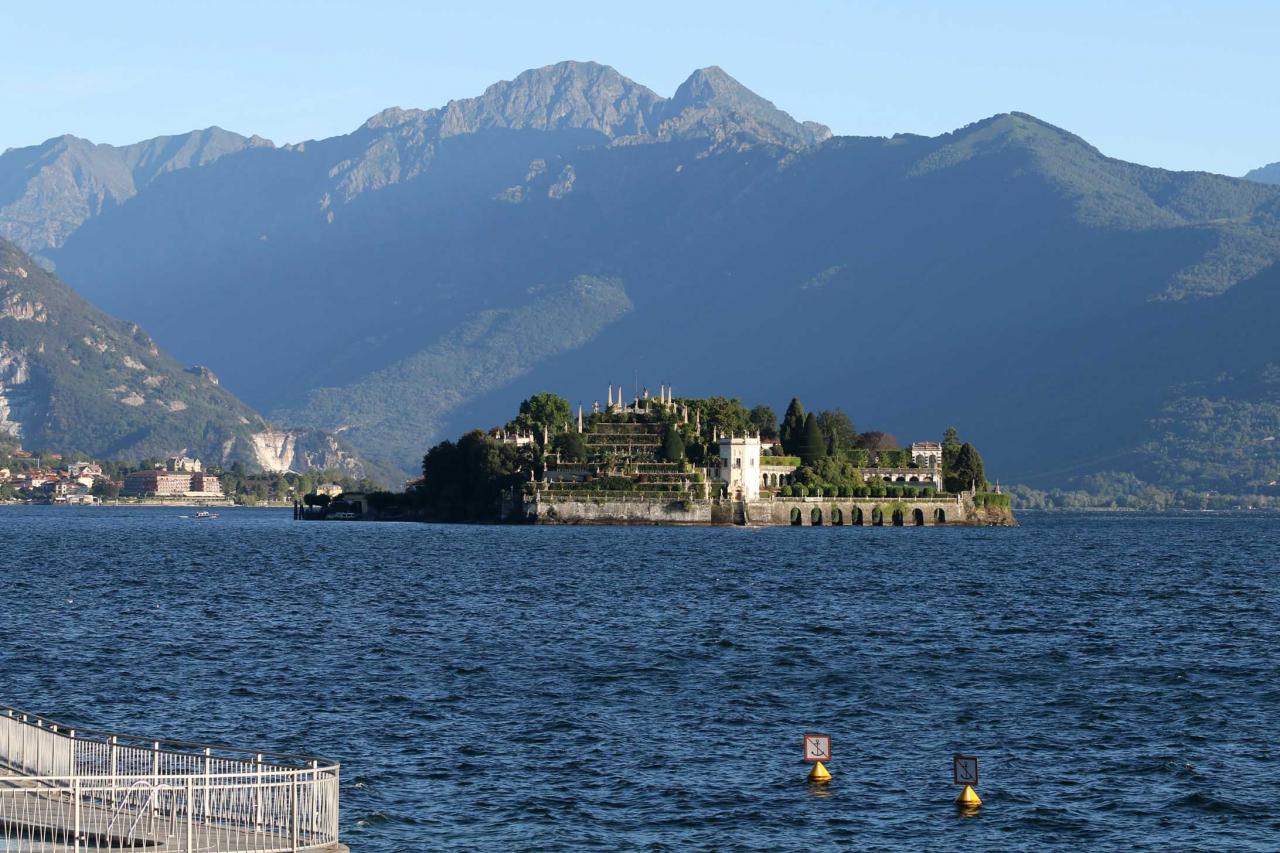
<point>964,769</point>
<point>817,747</point>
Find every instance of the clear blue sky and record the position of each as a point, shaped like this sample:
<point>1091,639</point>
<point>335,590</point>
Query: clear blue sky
<point>1176,84</point>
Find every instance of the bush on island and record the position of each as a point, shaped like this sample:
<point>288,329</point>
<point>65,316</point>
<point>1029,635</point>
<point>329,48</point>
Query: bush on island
<point>800,490</point>
<point>785,491</point>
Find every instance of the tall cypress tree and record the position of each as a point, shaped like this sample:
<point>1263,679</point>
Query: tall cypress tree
<point>967,470</point>
<point>812,446</point>
<point>672,445</point>
<point>792,427</point>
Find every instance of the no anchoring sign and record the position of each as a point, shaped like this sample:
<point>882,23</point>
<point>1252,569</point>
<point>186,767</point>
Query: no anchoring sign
<point>965,769</point>
<point>817,747</point>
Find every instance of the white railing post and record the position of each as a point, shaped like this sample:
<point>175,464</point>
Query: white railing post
<point>315,796</point>
<point>205,812</point>
<point>257,795</point>
<point>293,807</point>
<point>75,792</point>
<point>191,827</point>
<point>155,773</point>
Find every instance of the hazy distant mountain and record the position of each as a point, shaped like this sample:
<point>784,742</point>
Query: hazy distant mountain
<point>1269,174</point>
<point>49,190</point>
<point>73,378</point>
<point>570,228</point>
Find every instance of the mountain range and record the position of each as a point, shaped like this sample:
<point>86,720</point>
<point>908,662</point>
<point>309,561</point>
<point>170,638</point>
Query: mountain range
<point>1069,312</point>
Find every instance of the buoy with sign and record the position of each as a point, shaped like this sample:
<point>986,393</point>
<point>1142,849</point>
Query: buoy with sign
<point>964,770</point>
<point>817,749</point>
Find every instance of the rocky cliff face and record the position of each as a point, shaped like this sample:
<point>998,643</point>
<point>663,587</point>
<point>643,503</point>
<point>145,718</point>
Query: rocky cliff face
<point>278,451</point>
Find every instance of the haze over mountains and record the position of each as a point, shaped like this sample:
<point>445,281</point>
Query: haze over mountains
<point>570,228</point>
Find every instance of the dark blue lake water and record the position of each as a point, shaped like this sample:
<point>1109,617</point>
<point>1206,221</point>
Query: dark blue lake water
<point>562,688</point>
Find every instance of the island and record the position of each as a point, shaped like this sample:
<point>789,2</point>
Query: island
<point>662,459</point>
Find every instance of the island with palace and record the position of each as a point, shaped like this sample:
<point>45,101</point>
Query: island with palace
<point>662,459</point>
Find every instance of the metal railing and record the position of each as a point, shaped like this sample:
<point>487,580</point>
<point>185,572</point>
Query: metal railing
<point>67,789</point>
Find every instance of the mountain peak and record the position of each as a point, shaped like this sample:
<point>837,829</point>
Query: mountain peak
<point>1269,174</point>
<point>712,83</point>
<point>713,103</point>
<point>566,95</point>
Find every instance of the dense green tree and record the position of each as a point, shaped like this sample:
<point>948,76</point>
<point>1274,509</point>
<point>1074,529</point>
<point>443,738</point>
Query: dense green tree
<point>464,481</point>
<point>765,421</point>
<point>830,470</point>
<point>672,445</point>
<point>812,446</point>
<point>950,450</point>
<point>837,430</point>
<point>571,446</point>
<point>106,489</point>
<point>877,440</point>
<point>966,471</point>
<point>726,414</point>
<point>543,410</point>
<point>792,427</point>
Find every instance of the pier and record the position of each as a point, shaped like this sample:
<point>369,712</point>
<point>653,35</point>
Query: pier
<point>69,789</point>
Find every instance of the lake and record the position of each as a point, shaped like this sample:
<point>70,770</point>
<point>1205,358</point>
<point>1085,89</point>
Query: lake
<point>1118,675</point>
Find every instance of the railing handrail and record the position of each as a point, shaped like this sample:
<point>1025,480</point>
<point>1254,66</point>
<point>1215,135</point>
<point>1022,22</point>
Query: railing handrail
<point>182,747</point>
<point>277,777</point>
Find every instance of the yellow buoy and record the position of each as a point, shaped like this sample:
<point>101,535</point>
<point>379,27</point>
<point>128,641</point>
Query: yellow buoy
<point>968,798</point>
<point>819,773</point>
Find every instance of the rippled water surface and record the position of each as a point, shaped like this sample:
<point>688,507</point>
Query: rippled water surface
<point>595,687</point>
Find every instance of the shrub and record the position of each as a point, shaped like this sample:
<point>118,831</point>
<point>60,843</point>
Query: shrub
<point>800,491</point>
<point>877,491</point>
<point>911,491</point>
<point>846,492</point>
<point>785,491</point>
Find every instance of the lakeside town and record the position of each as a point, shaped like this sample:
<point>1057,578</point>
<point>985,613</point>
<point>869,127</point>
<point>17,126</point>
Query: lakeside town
<point>47,477</point>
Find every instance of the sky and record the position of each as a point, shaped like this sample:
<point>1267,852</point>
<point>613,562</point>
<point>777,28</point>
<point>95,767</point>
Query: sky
<point>1180,85</point>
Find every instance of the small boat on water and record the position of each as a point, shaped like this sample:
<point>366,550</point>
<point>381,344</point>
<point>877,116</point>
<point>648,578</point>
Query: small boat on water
<point>204,513</point>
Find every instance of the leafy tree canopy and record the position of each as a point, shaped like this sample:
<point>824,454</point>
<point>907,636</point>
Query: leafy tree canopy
<point>837,430</point>
<point>571,446</point>
<point>877,440</point>
<point>543,410</point>
<point>765,421</point>
<point>464,481</point>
